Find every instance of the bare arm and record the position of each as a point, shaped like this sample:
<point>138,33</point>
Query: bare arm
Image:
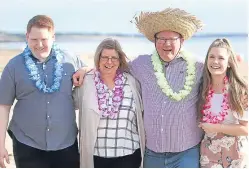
<point>4,119</point>
<point>76,98</point>
<point>240,129</point>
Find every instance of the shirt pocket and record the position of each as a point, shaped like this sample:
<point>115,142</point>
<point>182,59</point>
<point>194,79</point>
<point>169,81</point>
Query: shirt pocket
<point>67,82</point>
<point>24,86</point>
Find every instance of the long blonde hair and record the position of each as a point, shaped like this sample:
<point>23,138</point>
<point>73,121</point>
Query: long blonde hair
<point>238,88</point>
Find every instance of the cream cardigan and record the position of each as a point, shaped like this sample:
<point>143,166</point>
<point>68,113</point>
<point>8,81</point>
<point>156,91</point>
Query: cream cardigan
<point>86,101</point>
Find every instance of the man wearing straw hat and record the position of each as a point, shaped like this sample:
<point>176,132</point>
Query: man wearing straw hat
<point>170,81</point>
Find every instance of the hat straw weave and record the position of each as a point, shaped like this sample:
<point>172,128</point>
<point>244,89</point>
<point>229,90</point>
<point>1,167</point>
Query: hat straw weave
<point>170,19</point>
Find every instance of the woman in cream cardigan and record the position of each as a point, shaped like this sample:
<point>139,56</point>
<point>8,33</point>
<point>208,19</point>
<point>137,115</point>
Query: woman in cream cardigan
<point>110,123</point>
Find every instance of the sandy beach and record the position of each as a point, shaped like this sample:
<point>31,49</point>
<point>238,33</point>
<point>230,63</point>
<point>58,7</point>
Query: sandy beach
<point>6,55</point>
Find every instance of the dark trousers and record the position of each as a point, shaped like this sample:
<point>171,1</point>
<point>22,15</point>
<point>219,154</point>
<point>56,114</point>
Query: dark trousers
<point>29,157</point>
<point>128,161</point>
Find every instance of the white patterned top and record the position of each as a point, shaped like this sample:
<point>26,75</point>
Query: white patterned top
<point>119,137</point>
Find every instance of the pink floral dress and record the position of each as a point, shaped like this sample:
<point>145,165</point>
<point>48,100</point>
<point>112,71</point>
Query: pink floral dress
<point>223,151</point>
<point>219,150</point>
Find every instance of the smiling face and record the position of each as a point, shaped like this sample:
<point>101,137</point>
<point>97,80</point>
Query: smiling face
<point>40,41</point>
<point>168,44</point>
<point>108,62</point>
<point>217,62</point>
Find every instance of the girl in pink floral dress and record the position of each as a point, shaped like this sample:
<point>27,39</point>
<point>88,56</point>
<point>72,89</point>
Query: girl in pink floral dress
<point>223,107</point>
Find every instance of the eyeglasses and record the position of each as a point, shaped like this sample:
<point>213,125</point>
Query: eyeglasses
<point>163,40</point>
<point>106,58</point>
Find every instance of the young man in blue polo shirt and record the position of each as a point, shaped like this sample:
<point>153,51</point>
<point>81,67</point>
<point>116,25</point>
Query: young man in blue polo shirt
<point>43,127</point>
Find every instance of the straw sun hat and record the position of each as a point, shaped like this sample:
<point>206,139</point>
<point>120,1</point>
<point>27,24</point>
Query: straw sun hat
<point>170,19</point>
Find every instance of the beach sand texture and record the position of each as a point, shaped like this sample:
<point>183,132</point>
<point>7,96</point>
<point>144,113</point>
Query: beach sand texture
<point>6,55</point>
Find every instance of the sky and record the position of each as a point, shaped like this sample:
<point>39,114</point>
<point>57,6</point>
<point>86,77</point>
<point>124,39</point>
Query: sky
<point>113,16</point>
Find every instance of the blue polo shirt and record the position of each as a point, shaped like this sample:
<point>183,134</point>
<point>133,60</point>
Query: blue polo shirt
<point>44,121</point>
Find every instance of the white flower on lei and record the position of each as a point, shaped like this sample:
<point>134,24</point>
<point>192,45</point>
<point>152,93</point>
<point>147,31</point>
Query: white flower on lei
<point>177,97</point>
<point>162,81</point>
<point>158,65</point>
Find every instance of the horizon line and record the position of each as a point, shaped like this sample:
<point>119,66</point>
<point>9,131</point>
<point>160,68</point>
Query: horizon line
<point>198,34</point>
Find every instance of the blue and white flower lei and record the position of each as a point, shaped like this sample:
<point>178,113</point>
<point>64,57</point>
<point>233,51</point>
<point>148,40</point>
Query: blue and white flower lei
<point>34,72</point>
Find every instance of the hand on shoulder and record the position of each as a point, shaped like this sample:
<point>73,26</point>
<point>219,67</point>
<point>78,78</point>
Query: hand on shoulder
<point>79,75</point>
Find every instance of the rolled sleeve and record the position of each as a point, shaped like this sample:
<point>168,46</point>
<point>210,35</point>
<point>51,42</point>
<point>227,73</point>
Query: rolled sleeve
<point>76,98</point>
<point>7,86</point>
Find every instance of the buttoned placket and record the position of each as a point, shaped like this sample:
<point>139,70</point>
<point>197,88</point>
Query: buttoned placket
<point>48,113</point>
<point>166,67</point>
<point>48,102</point>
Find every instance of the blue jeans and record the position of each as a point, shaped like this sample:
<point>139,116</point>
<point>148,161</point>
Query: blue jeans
<point>186,159</point>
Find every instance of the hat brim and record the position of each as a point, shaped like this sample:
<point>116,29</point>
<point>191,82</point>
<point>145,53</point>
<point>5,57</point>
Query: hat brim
<point>175,20</point>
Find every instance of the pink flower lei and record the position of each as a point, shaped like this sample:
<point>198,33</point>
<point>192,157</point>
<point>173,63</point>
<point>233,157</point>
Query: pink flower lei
<point>109,107</point>
<point>208,116</point>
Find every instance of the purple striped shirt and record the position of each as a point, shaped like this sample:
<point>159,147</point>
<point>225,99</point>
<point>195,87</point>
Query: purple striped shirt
<point>170,126</point>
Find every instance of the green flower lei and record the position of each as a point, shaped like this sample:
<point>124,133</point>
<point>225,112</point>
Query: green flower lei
<point>163,83</point>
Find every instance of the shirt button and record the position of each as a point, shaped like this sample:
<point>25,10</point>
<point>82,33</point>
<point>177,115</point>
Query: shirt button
<point>162,129</point>
<point>48,116</point>
<point>46,75</point>
<point>47,129</point>
<point>162,115</point>
<point>48,102</point>
<point>164,102</point>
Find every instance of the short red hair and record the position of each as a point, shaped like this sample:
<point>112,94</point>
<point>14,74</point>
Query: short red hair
<point>41,21</point>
